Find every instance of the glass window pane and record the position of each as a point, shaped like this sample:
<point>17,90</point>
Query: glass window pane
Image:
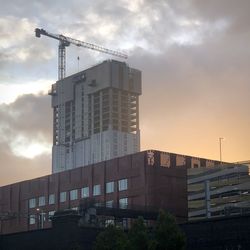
<point>123,203</point>
<point>109,203</point>
<point>62,196</point>
<point>85,192</point>
<point>96,190</point>
<point>123,184</point>
<point>51,214</point>
<point>51,199</point>
<point>110,187</point>
<point>41,201</point>
<point>32,219</point>
<point>32,203</point>
<point>73,195</point>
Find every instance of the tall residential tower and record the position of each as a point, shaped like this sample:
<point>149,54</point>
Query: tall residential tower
<point>96,115</point>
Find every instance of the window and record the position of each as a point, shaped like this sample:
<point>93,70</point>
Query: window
<point>63,196</point>
<point>32,203</point>
<point>109,203</point>
<point>109,222</point>
<point>51,214</point>
<point>85,192</point>
<point>123,184</point>
<point>32,219</point>
<point>41,201</point>
<point>51,199</point>
<point>96,190</point>
<point>109,187</point>
<point>123,203</point>
<point>73,195</point>
<point>196,165</point>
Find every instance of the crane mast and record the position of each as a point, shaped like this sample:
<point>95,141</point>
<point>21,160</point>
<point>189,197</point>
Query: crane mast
<point>65,41</point>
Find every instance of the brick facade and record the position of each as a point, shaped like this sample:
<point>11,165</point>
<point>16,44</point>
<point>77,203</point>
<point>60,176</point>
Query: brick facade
<point>149,178</point>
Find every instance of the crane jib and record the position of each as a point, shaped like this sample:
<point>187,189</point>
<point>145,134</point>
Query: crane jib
<point>65,41</point>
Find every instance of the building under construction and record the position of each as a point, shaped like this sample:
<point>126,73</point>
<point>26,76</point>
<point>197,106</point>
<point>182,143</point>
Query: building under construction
<point>96,115</point>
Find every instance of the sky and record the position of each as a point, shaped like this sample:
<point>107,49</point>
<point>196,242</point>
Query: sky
<point>195,61</point>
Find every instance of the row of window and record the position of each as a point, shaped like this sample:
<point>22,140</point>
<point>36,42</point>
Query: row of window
<point>41,201</point>
<point>42,217</point>
<point>73,194</point>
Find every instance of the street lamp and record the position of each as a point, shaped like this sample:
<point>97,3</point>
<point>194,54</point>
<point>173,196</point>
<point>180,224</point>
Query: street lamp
<point>220,139</point>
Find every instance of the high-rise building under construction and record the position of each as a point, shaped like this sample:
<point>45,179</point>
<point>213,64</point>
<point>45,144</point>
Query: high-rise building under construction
<point>96,115</point>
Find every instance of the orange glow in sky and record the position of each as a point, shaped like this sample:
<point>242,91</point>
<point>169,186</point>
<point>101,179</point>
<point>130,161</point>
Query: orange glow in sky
<point>194,58</point>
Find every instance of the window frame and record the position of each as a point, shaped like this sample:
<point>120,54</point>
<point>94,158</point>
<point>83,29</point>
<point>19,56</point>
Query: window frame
<point>41,201</point>
<point>51,200</point>
<point>32,203</point>
<point>110,187</point>
<point>96,190</point>
<point>32,219</point>
<point>123,205</point>
<point>51,214</point>
<point>83,192</point>
<point>65,198</point>
<point>123,184</point>
<point>74,193</point>
<point>109,204</point>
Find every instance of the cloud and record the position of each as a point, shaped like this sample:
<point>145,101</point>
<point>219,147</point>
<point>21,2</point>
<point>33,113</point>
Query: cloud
<point>16,41</point>
<point>193,55</point>
<point>194,94</point>
<point>26,122</point>
<point>15,169</point>
<point>11,90</point>
<point>25,138</point>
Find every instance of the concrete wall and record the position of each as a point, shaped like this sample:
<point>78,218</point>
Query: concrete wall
<point>89,108</point>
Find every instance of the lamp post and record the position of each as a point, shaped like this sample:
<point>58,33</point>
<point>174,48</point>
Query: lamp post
<point>220,139</point>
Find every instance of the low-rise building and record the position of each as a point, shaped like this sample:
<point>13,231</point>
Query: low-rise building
<point>150,179</point>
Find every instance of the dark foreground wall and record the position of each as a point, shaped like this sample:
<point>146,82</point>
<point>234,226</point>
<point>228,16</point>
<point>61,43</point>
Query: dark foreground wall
<point>221,234</point>
<point>232,233</point>
<point>63,236</point>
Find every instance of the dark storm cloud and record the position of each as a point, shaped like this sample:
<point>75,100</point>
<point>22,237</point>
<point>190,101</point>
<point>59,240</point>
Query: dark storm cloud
<point>83,19</point>
<point>29,116</point>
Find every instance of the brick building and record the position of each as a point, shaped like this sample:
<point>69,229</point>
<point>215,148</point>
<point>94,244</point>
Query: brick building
<point>147,179</point>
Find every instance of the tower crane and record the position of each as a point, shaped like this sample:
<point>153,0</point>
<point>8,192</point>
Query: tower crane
<point>65,41</point>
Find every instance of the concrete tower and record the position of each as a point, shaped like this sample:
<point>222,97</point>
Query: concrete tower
<point>96,115</point>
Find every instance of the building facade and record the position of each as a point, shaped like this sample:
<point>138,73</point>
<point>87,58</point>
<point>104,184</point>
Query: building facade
<point>219,191</point>
<point>150,179</point>
<point>96,115</point>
